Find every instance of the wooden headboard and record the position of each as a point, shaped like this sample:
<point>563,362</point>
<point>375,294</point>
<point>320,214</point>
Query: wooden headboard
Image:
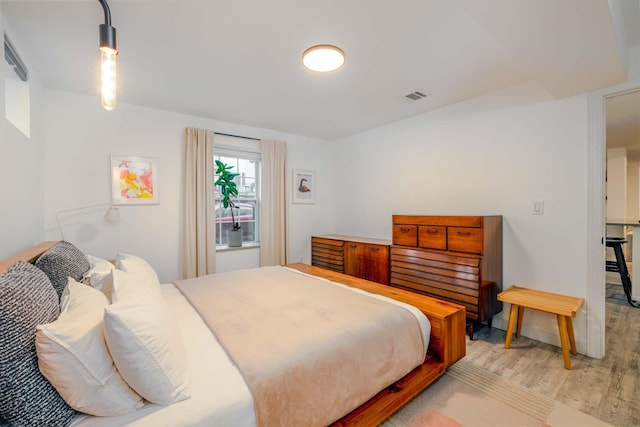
<point>29,255</point>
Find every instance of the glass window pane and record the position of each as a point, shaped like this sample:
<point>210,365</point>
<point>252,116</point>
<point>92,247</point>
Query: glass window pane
<point>246,213</point>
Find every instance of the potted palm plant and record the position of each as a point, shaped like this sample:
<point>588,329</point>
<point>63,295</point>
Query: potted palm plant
<point>228,189</point>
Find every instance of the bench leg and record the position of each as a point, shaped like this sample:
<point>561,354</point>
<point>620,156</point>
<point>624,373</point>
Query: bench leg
<point>512,321</point>
<point>564,340</point>
<point>572,338</point>
<point>520,316</point>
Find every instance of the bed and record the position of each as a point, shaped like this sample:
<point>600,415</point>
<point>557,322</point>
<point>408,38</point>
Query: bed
<point>217,377</point>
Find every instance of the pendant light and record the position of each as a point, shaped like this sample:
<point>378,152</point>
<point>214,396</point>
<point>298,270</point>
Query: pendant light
<point>108,52</point>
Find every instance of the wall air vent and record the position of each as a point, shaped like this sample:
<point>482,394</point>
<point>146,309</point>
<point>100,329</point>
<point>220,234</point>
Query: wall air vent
<point>414,96</point>
<point>12,57</point>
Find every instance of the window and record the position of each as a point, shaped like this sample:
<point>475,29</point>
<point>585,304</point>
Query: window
<point>247,164</point>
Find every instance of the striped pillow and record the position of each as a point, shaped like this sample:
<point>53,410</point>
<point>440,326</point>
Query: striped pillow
<point>27,299</point>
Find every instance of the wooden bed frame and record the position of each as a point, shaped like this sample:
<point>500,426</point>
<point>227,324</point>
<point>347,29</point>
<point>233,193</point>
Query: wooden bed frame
<point>446,345</point>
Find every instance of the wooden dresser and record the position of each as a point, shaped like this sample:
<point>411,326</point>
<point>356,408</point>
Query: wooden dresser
<point>356,256</point>
<point>455,258</point>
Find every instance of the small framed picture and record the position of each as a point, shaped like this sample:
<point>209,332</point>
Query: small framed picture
<point>134,180</point>
<point>304,190</point>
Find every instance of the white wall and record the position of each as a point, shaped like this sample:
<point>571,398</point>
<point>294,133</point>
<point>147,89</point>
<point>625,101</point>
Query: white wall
<point>79,138</point>
<point>633,205</point>
<point>490,155</point>
<point>617,183</point>
<point>633,191</point>
<point>21,161</point>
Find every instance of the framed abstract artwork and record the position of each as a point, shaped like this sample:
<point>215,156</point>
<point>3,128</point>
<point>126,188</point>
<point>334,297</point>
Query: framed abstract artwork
<point>134,180</point>
<point>304,190</point>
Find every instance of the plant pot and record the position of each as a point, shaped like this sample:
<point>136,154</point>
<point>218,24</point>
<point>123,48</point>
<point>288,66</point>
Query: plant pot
<point>234,238</point>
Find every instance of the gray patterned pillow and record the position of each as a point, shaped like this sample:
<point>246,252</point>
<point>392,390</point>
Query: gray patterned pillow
<point>62,261</point>
<point>27,299</point>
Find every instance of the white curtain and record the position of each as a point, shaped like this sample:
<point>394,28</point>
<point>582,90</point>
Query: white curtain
<point>199,231</point>
<point>273,203</point>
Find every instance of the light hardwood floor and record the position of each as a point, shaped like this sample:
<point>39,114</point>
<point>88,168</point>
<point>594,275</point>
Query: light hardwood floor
<point>608,389</point>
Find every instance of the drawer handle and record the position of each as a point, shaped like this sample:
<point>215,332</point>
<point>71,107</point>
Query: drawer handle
<point>464,233</point>
<point>353,246</point>
<point>374,249</point>
<point>432,231</point>
<point>405,229</point>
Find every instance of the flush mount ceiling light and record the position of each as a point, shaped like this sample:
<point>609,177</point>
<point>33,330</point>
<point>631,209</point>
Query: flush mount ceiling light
<point>323,58</point>
<point>108,52</point>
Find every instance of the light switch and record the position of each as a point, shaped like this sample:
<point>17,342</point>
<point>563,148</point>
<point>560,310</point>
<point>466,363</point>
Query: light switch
<point>537,207</point>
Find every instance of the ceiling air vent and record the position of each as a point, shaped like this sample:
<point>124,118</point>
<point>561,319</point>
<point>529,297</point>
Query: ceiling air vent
<point>414,96</point>
<point>12,57</point>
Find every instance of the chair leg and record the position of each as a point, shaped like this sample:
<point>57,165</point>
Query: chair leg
<point>624,274</point>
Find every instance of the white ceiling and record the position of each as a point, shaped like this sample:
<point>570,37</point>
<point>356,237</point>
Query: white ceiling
<point>239,61</point>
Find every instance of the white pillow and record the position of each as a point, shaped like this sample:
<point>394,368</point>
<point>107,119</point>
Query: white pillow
<point>134,264</point>
<point>130,285</point>
<point>99,274</point>
<point>146,345</point>
<point>73,356</point>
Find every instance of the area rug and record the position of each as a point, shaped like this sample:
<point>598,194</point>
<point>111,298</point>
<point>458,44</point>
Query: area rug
<point>469,396</point>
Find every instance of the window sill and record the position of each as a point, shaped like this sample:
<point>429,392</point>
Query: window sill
<point>245,245</point>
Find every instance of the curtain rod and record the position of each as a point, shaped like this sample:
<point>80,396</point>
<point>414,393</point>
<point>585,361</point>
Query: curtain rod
<point>236,136</point>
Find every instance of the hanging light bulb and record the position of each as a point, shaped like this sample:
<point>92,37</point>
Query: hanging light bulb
<point>108,52</point>
<point>108,77</point>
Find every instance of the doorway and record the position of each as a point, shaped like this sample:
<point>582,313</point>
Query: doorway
<point>596,176</point>
<point>622,213</point>
<point>622,188</point>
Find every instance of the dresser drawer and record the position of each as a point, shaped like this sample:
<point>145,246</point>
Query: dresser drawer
<point>327,253</point>
<point>405,235</point>
<point>432,237</point>
<point>438,274</point>
<point>464,239</point>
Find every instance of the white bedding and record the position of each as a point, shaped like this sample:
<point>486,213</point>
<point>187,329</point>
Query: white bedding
<point>219,395</point>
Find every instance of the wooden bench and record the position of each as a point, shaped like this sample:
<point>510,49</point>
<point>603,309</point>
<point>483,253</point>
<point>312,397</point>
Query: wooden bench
<point>563,306</point>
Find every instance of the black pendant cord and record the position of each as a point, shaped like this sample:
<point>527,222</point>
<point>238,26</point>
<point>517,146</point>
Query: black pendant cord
<point>107,12</point>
